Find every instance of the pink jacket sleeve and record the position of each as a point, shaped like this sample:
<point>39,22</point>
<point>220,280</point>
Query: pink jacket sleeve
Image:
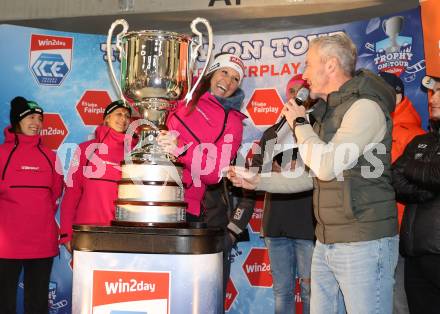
<point>72,196</point>
<point>174,124</point>
<point>58,182</point>
<point>214,160</point>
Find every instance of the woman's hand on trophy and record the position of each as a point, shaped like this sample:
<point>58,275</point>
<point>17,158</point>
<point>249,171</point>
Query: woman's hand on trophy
<point>167,140</point>
<point>243,178</point>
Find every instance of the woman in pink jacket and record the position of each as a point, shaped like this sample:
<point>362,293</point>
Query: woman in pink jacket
<point>29,188</point>
<point>93,175</point>
<point>209,129</point>
<point>209,133</point>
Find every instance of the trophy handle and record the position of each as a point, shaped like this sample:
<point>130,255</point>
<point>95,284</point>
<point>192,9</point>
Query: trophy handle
<point>194,49</point>
<point>383,25</point>
<point>116,23</point>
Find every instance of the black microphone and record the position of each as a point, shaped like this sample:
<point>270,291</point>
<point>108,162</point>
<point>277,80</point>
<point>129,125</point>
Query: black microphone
<point>300,99</point>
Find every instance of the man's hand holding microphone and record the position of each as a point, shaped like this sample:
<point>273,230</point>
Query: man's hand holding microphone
<point>294,109</point>
<point>293,112</point>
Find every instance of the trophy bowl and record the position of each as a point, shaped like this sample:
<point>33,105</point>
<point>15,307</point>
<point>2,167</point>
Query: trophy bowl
<point>156,65</point>
<point>156,70</point>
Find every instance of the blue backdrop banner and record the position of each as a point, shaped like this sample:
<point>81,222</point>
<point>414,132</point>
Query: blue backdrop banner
<point>67,74</point>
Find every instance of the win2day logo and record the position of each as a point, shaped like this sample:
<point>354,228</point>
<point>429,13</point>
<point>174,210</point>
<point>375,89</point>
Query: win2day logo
<point>50,58</point>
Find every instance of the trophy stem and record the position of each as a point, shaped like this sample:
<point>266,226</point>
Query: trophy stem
<point>155,112</point>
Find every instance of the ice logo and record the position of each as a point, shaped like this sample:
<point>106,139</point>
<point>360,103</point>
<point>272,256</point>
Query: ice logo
<point>50,58</point>
<point>50,69</point>
<point>54,306</point>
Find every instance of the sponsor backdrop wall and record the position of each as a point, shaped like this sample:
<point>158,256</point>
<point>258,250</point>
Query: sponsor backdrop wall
<point>431,23</point>
<point>67,74</point>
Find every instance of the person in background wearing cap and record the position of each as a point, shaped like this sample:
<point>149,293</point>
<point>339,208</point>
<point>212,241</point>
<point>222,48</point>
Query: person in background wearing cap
<point>406,125</point>
<point>94,172</point>
<point>287,224</point>
<point>29,188</point>
<point>416,178</point>
<point>211,128</point>
<point>406,120</point>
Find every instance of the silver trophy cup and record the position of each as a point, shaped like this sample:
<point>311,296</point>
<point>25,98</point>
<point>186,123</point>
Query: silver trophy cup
<point>156,70</point>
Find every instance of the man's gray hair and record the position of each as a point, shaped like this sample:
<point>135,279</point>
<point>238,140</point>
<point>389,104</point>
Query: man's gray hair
<point>339,46</point>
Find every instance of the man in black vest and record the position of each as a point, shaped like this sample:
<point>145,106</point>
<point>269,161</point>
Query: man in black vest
<point>348,154</point>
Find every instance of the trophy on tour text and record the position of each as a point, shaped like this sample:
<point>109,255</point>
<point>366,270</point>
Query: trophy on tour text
<point>156,70</point>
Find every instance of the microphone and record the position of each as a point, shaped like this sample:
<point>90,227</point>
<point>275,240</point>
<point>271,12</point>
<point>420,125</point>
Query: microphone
<point>300,99</point>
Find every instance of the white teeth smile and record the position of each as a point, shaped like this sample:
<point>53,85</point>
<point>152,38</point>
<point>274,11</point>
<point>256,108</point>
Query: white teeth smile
<point>221,87</point>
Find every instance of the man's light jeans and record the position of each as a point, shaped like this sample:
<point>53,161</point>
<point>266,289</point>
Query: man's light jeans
<point>289,258</point>
<point>362,271</point>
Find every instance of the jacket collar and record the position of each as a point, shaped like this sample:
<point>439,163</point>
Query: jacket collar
<point>435,126</point>
<point>405,113</point>
<point>365,84</point>
<point>212,100</point>
<point>15,138</point>
<point>104,133</point>
<point>232,102</point>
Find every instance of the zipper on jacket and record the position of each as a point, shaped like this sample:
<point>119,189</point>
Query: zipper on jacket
<point>224,125</point>
<point>9,157</point>
<point>318,218</point>
<point>187,128</point>
<point>29,187</point>
<point>99,179</point>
